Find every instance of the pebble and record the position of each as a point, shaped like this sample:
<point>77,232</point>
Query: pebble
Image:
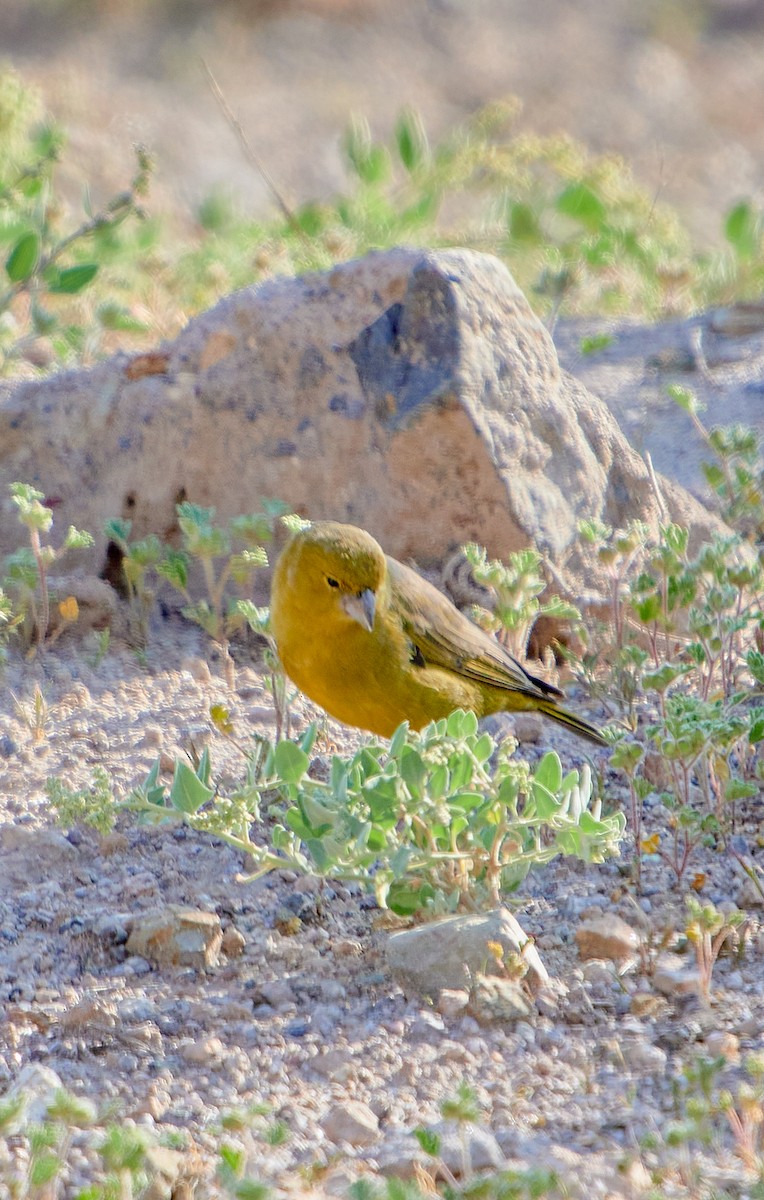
<point>674,978</point>
<point>475,1143</point>
<point>452,1001</point>
<point>641,1055</point>
<point>233,942</point>
<point>177,936</point>
<point>353,1122</point>
<point>204,1053</point>
<point>721,1044</point>
<point>607,937</point>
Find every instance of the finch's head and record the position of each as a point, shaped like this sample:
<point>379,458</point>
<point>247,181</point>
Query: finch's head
<point>339,567</point>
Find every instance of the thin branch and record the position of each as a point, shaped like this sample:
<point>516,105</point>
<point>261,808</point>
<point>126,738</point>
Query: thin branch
<point>252,158</point>
<point>656,489</point>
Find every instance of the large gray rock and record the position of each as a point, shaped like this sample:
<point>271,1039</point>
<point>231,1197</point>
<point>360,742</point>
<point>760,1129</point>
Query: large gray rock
<point>411,392</point>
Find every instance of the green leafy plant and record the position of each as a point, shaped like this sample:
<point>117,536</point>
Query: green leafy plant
<point>27,570</point>
<point>46,262</point>
<point>517,586</point>
<point>437,820</point>
<point>258,619</point>
<point>33,713</point>
<point>736,473</point>
<point>464,1109</point>
<point>707,1109</point>
<point>223,567</point>
<point>139,562</point>
<point>119,1150</point>
<point>709,930</point>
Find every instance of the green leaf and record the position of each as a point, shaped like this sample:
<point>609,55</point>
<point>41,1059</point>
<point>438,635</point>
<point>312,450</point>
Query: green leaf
<point>174,569</point>
<point>77,539</point>
<point>549,772</point>
<point>484,748</point>
<point>742,228</point>
<point>23,258</point>
<point>290,762</point>
<point>684,398</point>
<point>398,739</point>
<point>429,1141</point>
<point>116,317</point>
<point>412,769</point>
<point>73,279</point>
<point>410,139</point>
<point>318,818</point>
<point>407,897</point>
<point>581,203</point>
<point>739,789</point>
<point>188,793</point>
<point>595,343</point>
<point>523,223</point>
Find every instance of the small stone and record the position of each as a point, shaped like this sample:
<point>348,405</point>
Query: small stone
<point>646,1004</point>
<point>496,999</point>
<point>353,1122</point>
<point>164,1167</point>
<point>674,979</point>
<point>198,669</point>
<point>260,714</point>
<point>287,923</point>
<point>452,1001</point>
<point>640,1055</point>
<point>166,762</point>
<point>598,971</point>
<point>334,1065</point>
<point>177,936</point>
<point>347,948</point>
<point>8,747</point>
<point>721,1044</point>
<point>474,1143</point>
<point>114,843</point>
<point>277,993</point>
<point>152,737</point>
<point>607,937</point>
<point>203,1053</point>
<point>233,942</point>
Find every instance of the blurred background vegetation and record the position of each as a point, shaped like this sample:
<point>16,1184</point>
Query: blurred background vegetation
<point>610,154</point>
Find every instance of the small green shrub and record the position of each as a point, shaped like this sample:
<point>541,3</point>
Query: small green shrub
<point>220,614</point>
<point>438,820</point>
<point>47,260</point>
<point>27,570</point>
<point>516,585</point>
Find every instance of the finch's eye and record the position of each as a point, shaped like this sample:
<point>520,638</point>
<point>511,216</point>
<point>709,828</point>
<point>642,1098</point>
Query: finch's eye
<point>332,582</point>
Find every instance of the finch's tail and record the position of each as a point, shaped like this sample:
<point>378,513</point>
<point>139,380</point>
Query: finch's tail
<point>577,724</point>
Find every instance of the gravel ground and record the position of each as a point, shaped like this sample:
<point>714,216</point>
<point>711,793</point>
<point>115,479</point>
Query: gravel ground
<point>303,1014</point>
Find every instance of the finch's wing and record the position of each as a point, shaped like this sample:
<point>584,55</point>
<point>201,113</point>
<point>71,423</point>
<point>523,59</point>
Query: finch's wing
<point>443,637</point>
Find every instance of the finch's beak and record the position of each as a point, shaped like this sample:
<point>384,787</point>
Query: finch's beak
<point>361,607</point>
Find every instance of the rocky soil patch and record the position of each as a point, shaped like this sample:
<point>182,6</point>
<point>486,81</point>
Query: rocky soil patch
<point>287,996</point>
